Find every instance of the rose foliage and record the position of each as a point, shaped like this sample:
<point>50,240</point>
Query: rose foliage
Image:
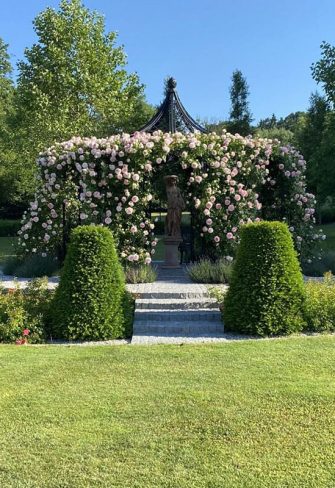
<point>227,180</point>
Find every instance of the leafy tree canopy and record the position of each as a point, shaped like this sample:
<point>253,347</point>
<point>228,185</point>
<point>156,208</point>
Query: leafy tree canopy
<point>9,179</point>
<point>323,71</point>
<point>73,80</point>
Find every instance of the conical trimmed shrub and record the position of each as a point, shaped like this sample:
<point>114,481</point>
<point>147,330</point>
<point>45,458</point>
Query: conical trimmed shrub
<point>88,301</point>
<point>266,293</point>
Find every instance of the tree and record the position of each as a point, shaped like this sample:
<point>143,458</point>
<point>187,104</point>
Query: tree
<point>310,140</point>
<point>9,178</point>
<point>323,71</point>
<point>6,84</point>
<point>217,126</point>
<point>322,161</point>
<point>73,81</point>
<point>285,136</point>
<point>292,121</point>
<point>268,123</point>
<point>286,129</point>
<point>240,117</point>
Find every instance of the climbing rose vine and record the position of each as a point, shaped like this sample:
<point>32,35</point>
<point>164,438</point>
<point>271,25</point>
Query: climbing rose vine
<point>227,180</point>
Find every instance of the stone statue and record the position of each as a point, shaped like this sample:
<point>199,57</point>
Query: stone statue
<point>175,206</point>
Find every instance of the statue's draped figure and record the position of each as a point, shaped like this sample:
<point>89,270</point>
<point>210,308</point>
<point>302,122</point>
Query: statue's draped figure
<point>175,207</point>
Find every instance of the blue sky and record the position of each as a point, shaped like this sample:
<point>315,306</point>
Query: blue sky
<point>201,42</point>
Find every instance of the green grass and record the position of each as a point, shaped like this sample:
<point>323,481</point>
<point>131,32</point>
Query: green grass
<point>7,248</point>
<point>251,414</point>
<point>159,250</point>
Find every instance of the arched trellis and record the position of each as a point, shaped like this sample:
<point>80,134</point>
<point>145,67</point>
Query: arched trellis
<point>108,182</point>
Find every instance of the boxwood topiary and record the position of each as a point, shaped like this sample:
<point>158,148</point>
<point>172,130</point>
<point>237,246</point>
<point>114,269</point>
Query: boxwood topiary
<point>88,301</point>
<point>266,294</point>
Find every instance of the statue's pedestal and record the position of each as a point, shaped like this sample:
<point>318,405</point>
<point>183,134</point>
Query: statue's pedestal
<point>171,252</point>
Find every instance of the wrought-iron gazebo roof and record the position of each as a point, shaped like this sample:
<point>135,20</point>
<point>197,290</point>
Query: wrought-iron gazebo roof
<point>171,115</point>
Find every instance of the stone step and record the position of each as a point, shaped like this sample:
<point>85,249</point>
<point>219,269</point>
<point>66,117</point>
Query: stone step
<point>177,315</point>
<point>188,338</point>
<point>176,303</point>
<point>197,328</point>
<point>165,295</point>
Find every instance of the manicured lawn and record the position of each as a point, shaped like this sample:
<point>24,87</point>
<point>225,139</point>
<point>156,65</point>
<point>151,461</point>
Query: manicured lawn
<point>159,250</point>
<point>243,414</point>
<point>6,248</point>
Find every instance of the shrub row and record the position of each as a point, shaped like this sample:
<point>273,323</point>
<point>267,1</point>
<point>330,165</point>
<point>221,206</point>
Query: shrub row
<point>30,309</point>
<point>267,295</point>
<point>317,312</point>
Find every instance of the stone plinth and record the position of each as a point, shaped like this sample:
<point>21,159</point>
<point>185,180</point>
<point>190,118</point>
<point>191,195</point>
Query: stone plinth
<point>171,252</point>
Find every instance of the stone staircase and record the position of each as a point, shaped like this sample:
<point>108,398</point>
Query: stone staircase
<point>173,306</point>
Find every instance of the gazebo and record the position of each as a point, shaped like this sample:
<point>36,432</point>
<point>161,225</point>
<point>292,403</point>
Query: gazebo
<point>172,115</point>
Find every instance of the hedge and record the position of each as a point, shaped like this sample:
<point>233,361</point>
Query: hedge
<point>266,294</point>
<point>88,303</point>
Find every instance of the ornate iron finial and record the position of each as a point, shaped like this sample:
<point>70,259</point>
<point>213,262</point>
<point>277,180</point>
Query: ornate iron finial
<point>171,115</point>
<point>171,83</point>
